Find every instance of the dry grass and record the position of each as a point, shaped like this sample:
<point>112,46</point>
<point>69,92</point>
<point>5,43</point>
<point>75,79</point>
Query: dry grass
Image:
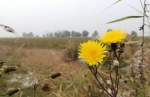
<point>42,59</point>
<point>42,62</point>
<point>46,43</point>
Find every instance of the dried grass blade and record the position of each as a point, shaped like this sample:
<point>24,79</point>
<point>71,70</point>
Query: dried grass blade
<point>138,11</point>
<point>110,6</point>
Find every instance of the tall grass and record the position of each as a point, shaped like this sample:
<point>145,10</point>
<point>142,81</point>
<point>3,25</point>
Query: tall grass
<point>54,43</point>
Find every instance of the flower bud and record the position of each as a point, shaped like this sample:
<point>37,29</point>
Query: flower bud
<point>114,46</point>
<point>108,82</point>
<point>109,91</point>
<point>13,91</point>
<point>55,75</point>
<point>115,62</point>
<point>125,80</point>
<point>10,69</point>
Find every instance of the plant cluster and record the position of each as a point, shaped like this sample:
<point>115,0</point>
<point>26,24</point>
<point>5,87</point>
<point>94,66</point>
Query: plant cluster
<point>94,52</point>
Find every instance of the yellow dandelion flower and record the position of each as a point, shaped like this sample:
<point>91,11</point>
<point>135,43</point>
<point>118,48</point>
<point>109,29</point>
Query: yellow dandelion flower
<point>113,36</point>
<point>92,52</point>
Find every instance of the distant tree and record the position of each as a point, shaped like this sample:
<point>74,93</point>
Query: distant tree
<point>75,34</point>
<point>47,34</point>
<point>24,34</point>
<point>85,33</point>
<point>43,35</point>
<point>134,33</point>
<point>66,33</point>
<point>95,34</point>
<point>51,35</point>
<point>29,35</point>
<point>56,34</point>
<point>78,34</point>
<point>59,34</point>
<point>37,36</point>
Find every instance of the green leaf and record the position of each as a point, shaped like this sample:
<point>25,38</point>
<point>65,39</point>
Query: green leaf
<point>124,18</point>
<point>123,65</point>
<point>133,42</point>
<point>132,85</point>
<point>140,94</point>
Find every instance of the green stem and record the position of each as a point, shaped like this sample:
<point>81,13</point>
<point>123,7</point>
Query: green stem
<point>4,94</point>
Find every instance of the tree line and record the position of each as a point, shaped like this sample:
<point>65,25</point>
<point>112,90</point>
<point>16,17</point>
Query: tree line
<point>61,34</point>
<point>66,33</point>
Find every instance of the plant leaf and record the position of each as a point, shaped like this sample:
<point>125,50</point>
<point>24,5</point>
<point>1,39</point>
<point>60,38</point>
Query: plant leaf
<point>124,18</point>
<point>133,42</point>
<point>132,85</point>
<point>122,65</point>
<point>138,11</point>
<point>110,6</point>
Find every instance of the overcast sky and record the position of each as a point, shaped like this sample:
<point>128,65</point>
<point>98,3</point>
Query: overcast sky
<point>40,16</point>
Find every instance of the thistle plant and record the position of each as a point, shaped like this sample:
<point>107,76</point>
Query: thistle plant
<point>93,52</point>
<point>4,70</point>
<point>45,86</point>
<point>11,92</point>
<point>140,79</point>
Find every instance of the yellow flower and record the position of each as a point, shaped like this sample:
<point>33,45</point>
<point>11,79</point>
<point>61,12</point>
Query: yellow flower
<point>92,52</point>
<point>113,36</point>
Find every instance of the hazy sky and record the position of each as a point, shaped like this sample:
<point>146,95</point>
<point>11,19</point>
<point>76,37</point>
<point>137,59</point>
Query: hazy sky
<point>40,16</point>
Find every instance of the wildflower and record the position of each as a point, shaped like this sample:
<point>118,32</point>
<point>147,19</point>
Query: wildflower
<point>92,52</point>
<point>113,36</point>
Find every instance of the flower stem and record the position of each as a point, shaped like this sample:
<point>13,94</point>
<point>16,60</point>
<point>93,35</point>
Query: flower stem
<point>95,75</point>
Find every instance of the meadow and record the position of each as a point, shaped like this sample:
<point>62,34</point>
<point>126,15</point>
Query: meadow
<point>40,57</point>
<point>117,65</point>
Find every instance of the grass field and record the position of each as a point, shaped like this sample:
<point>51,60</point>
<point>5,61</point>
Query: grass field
<point>39,57</point>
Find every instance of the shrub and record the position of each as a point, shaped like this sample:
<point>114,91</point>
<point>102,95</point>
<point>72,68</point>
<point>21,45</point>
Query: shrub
<point>71,52</point>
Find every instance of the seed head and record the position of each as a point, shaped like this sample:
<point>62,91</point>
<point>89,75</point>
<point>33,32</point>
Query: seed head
<point>45,87</point>
<point>10,69</point>
<point>115,62</point>
<point>13,91</point>
<point>55,75</point>
<point>9,29</point>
